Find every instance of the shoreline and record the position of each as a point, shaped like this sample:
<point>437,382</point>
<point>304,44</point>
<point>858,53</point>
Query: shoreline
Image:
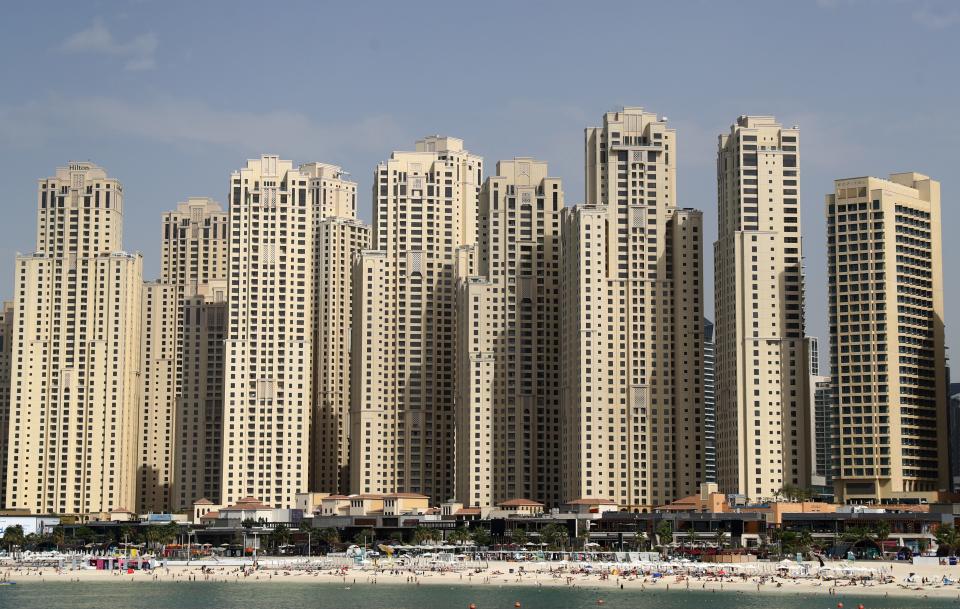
<point>536,575</point>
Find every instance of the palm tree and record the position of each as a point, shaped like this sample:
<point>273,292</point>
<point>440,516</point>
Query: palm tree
<point>664,531</point>
<point>552,535</point>
<point>881,532</point>
<point>423,534</point>
<point>519,537</point>
<point>460,536</point>
<point>948,537</point>
<point>720,537</point>
<point>364,537</point>
<point>125,533</point>
<point>58,536</point>
<point>481,537</point>
<point>280,535</point>
<point>13,537</point>
<point>859,534</point>
<point>330,536</point>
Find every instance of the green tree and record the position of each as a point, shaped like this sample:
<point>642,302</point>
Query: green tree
<point>554,536</point>
<point>664,533</point>
<point>948,538</point>
<point>791,492</point>
<point>330,536</point>
<point>366,536</point>
<point>460,536</point>
<point>396,537</point>
<point>58,537</point>
<point>481,537</point>
<point>720,537</point>
<point>519,537</point>
<point>279,536</point>
<point>308,534</point>
<point>584,538</point>
<point>881,531</point>
<point>249,523</point>
<point>13,537</point>
<point>423,534</point>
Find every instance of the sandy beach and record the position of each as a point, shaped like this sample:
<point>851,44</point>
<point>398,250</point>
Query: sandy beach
<point>534,574</point>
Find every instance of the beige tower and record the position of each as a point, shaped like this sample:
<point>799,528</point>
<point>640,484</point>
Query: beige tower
<point>158,396</point>
<point>268,377</point>
<point>6,348</point>
<point>337,237</point>
<point>508,342</point>
<point>199,438</point>
<point>761,372</point>
<point>402,417</point>
<point>182,384</point>
<point>631,333</point>
<point>887,353</point>
<point>74,407</point>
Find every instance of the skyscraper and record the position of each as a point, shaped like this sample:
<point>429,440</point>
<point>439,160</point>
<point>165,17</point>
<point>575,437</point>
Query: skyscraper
<point>6,349</point>
<point>887,353</point>
<point>508,343</point>
<point>709,405</point>
<point>820,421</point>
<point>825,443</point>
<point>402,418</point>
<point>75,398</point>
<point>337,237</point>
<point>631,333</point>
<point>268,384</point>
<point>199,440</point>
<point>181,385</point>
<point>758,288</point>
<point>953,416</point>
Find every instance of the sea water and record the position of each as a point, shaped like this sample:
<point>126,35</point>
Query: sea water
<point>277,595</point>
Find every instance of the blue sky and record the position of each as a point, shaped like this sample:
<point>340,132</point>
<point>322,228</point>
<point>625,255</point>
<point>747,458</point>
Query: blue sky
<point>171,96</point>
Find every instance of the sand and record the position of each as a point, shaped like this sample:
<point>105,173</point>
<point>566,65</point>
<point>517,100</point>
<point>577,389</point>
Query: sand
<point>535,574</point>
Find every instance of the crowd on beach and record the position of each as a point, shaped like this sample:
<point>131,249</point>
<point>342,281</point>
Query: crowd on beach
<point>874,578</point>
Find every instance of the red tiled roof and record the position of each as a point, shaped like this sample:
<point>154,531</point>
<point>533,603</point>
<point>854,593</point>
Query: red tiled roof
<point>519,503</point>
<point>203,501</point>
<point>592,501</point>
<point>405,496</point>
<point>684,503</point>
<point>248,503</point>
<point>210,515</point>
<point>337,497</point>
<point>468,511</point>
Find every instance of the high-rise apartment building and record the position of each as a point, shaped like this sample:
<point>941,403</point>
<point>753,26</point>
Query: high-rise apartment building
<point>887,353</point>
<point>199,439</point>
<point>631,331</point>
<point>268,375</point>
<point>761,371</point>
<point>508,342</point>
<point>404,331</point>
<point>824,425</point>
<point>953,416</point>
<point>811,346</point>
<point>820,421</point>
<point>179,462</point>
<point>337,238</point>
<point>74,412</point>
<point>158,396</point>
<point>709,405</point>
<point>6,348</point>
